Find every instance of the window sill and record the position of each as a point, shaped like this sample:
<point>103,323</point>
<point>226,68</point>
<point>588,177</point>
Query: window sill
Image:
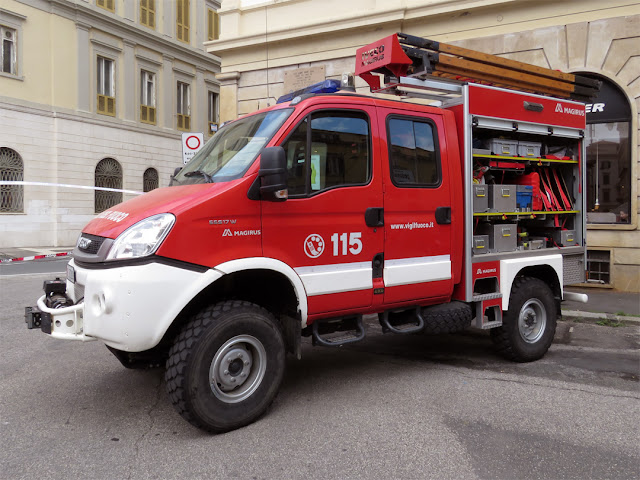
<point>612,226</point>
<point>19,78</point>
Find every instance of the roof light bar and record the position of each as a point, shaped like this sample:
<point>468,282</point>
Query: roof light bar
<point>326,86</point>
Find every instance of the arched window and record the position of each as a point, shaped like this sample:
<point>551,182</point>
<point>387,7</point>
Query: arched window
<point>608,145</point>
<point>149,180</point>
<point>108,175</point>
<point>11,170</point>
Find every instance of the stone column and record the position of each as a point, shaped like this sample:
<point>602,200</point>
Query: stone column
<point>129,77</point>
<point>199,113</point>
<point>84,63</point>
<point>228,95</point>
<point>167,117</point>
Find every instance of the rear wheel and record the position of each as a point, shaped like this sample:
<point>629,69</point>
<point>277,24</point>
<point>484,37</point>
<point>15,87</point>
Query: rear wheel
<point>226,366</point>
<point>530,323</point>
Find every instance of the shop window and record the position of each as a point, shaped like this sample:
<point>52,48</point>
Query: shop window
<point>184,107</point>
<point>149,180</point>
<point>107,4</point>
<point>147,97</point>
<point>9,51</point>
<point>106,101</point>
<point>182,20</point>
<point>608,147</point>
<point>11,170</point>
<point>599,267</point>
<point>108,175</point>
<point>338,155</point>
<point>148,13</point>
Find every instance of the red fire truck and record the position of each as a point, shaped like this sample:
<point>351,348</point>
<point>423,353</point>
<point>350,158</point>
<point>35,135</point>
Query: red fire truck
<point>300,219</point>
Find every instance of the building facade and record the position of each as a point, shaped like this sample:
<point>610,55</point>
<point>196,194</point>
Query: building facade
<point>95,94</point>
<point>263,40</point>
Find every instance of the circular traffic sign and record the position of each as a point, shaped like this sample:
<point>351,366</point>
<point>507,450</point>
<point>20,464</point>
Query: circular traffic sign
<point>192,142</point>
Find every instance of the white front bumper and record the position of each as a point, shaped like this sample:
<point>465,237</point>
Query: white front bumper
<point>130,307</point>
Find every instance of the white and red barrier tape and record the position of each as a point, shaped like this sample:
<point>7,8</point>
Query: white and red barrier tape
<point>35,257</point>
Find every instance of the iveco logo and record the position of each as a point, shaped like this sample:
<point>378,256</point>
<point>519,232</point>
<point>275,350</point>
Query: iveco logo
<point>84,243</point>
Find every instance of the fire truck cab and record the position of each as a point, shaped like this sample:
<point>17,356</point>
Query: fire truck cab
<point>303,218</point>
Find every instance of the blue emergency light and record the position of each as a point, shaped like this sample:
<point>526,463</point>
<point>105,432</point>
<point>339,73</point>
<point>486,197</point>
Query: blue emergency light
<point>326,86</point>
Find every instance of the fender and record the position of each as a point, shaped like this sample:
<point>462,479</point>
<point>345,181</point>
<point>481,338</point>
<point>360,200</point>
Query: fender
<point>511,267</point>
<point>264,263</point>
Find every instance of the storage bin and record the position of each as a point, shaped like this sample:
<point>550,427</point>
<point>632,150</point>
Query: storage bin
<point>565,238</point>
<point>524,197</point>
<point>529,149</point>
<point>480,198</point>
<point>502,198</point>
<point>503,146</point>
<point>480,244</point>
<point>503,237</point>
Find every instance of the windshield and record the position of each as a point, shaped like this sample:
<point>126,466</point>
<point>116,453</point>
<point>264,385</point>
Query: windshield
<point>232,150</point>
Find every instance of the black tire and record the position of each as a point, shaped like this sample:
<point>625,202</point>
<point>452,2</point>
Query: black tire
<point>446,318</point>
<point>529,325</point>
<point>232,341</point>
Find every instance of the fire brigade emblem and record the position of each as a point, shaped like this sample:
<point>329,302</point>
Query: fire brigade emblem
<point>313,245</point>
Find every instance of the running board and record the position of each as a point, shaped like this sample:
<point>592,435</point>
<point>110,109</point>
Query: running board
<point>341,337</point>
<point>412,327</point>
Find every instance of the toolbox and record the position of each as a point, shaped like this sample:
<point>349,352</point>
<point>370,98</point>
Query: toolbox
<point>503,237</point>
<point>480,244</point>
<point>480,198</point>
<point>529,149</point>
<point>564,238</point>
<point>502,198</point>
<point>503,146</point>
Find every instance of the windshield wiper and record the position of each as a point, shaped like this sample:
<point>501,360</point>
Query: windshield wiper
<point>206,176</point>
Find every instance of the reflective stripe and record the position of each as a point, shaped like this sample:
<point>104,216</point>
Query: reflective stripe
<point>337,278</point>
<point>406,271</point>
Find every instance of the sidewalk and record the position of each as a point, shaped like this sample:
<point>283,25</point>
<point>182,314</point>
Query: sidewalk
<point>603,304</point>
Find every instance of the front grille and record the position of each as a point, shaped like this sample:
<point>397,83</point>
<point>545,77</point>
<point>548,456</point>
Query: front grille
<point>93,245</point>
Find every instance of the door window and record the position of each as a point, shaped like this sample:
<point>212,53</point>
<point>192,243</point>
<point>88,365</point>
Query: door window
<point>328,149</point>
<point>413,153</point>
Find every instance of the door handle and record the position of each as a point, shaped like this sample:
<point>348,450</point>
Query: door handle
<point>443,215</point>
<point>374,217</point>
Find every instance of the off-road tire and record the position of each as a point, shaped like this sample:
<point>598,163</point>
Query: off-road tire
<point>193,355</point>
<point>450,317</point>
<point>526,292</point>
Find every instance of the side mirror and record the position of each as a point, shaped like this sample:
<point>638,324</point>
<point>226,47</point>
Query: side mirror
<point>273,174</point>
<point>175,172</point>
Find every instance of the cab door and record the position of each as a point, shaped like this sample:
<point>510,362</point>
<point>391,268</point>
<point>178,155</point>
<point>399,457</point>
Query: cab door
<point>320,230</point>
<point>417,208</point>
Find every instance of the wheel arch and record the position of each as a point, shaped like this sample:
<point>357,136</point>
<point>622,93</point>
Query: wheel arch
<point>266,282</point>
<point>547,268</point>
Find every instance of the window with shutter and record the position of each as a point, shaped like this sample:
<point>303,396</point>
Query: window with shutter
<point>148,13</point>
<point>107,4</point>
<point>182,20</point>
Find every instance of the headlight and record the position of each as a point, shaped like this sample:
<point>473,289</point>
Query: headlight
<point>143,238</point>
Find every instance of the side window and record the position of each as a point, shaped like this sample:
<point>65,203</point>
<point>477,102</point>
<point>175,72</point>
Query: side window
<point>338,154</point>
<point>413,153</point>
<point>295,150</point>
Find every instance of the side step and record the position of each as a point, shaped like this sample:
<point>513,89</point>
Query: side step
<point>345,331</point>
<point>410,327</point>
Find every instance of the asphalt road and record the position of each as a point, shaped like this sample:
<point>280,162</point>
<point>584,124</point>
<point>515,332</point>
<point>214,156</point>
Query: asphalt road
<point>388,407</point>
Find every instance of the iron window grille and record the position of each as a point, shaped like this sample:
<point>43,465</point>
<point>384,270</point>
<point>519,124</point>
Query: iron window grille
<point>11,170</point>
<point>108,175</point>
<point>150,180</point>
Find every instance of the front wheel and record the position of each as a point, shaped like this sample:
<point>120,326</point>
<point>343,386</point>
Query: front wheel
<point>226,366</point>
<point>530,323</point>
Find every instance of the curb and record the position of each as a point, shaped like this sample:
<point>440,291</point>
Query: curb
<point>579,315</point>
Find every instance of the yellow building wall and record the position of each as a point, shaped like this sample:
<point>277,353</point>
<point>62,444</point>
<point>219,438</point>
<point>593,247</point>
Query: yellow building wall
<point>49,59</point>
